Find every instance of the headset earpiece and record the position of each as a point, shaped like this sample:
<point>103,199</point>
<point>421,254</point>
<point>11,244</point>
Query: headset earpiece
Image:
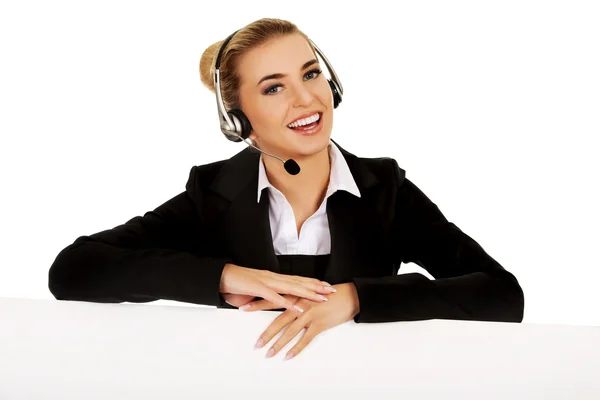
<point>337,97</point>
<point>242,125</point>
<point>241,129</point>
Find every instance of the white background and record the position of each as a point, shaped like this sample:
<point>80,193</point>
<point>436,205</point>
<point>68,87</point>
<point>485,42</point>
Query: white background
<point>492,108</point>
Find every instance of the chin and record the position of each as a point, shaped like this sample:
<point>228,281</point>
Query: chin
<point>312,147</point>
<point>305,146</point>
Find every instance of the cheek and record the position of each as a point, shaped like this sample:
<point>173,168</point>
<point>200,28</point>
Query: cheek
<point>269,115</point>
<point>325,95</point>
<point>262,118</point>
<point>267,111</point>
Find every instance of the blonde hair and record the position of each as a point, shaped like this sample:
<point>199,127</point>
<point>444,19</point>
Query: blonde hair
<point>249,37</point>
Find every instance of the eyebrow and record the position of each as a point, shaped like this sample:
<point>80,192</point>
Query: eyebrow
<point>279,76</point>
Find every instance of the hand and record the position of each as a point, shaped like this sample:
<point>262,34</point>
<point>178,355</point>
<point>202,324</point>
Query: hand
<point>238,300</point>
<point>245,284</point>
<point>341,306</point>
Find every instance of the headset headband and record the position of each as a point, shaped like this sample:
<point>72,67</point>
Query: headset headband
<point>235,131</point>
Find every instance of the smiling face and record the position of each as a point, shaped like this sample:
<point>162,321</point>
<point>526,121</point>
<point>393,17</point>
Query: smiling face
<point>271,103</point>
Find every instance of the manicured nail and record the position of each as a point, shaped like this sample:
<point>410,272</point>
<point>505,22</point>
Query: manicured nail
<point>289,355</point>
<point>271,352</point>
<point>331,289</point>
<point>259,343</point>
<point>325,283</point>
<point>322,297</point>
<point>298,308</point>
<point>245,307</point>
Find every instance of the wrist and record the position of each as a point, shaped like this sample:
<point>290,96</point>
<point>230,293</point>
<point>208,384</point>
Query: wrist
<point>226,269</point>
<point>355,299</point>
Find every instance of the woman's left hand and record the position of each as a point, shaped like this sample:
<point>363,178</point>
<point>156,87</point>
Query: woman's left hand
<point>341,306</point>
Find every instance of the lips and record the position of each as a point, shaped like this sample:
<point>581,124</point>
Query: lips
<point>300,127</point>
<point>303,131</point>
<point>310,114</point>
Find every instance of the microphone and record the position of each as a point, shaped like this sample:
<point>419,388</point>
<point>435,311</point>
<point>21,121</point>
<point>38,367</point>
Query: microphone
<point>290,165</point>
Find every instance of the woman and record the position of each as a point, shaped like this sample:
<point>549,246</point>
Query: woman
<point>343,219</point>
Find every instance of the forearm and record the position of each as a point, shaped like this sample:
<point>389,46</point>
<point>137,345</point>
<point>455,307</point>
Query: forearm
<point>479,296</point>
<point>93,271</point>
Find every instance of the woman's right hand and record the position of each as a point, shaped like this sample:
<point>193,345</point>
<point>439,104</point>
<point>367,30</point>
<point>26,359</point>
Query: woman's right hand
<point>269,285</point>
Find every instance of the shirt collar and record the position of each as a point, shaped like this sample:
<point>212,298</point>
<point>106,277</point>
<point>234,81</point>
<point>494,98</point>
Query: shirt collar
<point>340,177</point>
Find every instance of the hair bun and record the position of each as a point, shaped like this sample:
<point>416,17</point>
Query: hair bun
<point>207,65</point>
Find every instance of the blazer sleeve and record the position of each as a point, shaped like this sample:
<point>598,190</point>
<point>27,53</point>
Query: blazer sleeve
<point>469,284</point>
<point>155,256</point>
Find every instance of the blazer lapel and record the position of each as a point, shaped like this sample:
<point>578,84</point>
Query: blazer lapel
<point>240,222</point>
<point>357,227</point>
<point>243,224</point>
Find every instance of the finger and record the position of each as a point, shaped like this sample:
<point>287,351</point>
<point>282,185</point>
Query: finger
<point>260,305</point>
<point>276,326</point>
<point>292,287</point>
<point>310,283</point>
<point>275,298</point>
<point>291,332</point>
<point>306,280</point>
<point>298,278</point>
<point>238,300</point>
<point>309,334</point>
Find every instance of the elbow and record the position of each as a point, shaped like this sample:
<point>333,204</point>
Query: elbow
<point>76,274</point>
<point>71,276</point>
<point>58,285</point>
<point>513,304</point>
<point>55,286</point>
<point>60,276</point>
<point>519,303</point>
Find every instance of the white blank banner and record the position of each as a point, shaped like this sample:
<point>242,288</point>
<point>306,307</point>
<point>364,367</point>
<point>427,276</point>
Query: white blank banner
<point>77,350</point>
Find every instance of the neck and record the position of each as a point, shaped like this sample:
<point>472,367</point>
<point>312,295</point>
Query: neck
<point>308,188</point>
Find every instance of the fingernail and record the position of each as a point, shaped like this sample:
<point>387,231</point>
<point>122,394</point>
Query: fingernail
<point>298,308</point>
<point>259,343</point>
<point>331,289</point>
<point>325,283</point>
<point>322,297</point>
<point>289,355</point>
<point>271,352</point>
<point>245,307</point>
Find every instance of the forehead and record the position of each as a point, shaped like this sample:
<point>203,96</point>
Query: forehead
<point>284,55</point>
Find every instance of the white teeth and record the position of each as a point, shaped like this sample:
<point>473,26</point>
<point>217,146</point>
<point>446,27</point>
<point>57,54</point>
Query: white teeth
<point>305,121</point>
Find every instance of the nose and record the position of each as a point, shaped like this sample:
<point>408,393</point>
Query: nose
<point>302,95</point>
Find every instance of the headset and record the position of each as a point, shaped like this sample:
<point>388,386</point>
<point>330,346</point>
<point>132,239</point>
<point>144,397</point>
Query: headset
<point>235,125</point>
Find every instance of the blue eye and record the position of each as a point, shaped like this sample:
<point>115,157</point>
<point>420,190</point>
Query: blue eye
<point>314,71</point>
<point>268,91</point>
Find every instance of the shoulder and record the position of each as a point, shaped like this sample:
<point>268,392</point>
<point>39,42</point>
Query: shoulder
<point>202,176</point>
<point>207,172</point>
<point>384,165</point>
<point>226,177</point>
<point>385,169</point>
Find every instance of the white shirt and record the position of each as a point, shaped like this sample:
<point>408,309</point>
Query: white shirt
<point>314,238</point>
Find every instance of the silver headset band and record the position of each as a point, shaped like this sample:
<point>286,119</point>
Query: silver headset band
<point>221,105</point>
<point>334,76</point>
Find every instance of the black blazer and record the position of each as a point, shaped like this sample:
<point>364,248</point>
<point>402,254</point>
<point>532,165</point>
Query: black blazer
<point>178,251</point>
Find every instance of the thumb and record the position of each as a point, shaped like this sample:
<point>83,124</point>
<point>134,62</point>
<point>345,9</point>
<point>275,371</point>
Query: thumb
<point>238,300</point>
